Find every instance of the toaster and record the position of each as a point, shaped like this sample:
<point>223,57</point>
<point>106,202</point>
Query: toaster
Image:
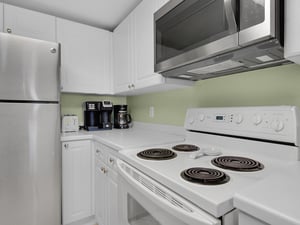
<point>70,123</point>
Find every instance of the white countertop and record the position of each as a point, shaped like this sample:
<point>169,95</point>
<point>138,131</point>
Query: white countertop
<point>275,200</point>
<point>138,136</point>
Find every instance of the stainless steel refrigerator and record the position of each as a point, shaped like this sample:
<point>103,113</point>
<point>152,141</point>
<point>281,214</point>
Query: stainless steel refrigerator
<point>30,155</point>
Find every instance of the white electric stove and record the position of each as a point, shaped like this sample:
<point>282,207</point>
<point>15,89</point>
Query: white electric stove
<point>225,151</point>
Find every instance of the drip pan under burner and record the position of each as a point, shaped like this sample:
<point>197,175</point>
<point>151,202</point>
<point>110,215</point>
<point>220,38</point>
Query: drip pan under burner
<point>205,176</point>
<point>237,163</point>
<point>157,154</point>
<point>185,148</point>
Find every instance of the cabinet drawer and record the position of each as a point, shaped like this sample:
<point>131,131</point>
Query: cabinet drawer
<point>105,154</point>
<point>112,160</point>
<point>100,152</point>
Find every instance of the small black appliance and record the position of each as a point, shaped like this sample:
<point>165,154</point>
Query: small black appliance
<point>92,115</point>
<point>122,118</point>
<point>106,108</point>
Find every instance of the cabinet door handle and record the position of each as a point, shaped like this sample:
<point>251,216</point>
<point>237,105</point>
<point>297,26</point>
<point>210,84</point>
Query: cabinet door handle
<point>132,85</point>
<point>97,151</point>
<point>8,30</point>
<point>53,50</point>
<point>66,146</point>
<point>129,86</point>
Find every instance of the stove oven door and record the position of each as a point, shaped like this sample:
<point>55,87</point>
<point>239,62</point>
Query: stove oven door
<point>143,201</point>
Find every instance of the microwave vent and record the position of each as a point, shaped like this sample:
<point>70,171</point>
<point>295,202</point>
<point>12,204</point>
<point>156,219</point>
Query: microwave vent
<point>226,65</point>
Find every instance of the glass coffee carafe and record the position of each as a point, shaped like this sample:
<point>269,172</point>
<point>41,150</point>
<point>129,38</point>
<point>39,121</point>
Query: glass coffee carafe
<point>122,119</point>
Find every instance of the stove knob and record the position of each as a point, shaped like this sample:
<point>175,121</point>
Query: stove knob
<point>201,117</point>
<point>277,125</point>
<point>238,118</point>
<point>257,119</point>
<point>191,120</point>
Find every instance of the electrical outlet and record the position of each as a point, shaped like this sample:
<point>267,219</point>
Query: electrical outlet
<point>151,112</point>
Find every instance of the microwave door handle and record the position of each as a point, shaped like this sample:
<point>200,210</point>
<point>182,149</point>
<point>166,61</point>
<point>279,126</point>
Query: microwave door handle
<point>192,215</point>
<point>230,16</point>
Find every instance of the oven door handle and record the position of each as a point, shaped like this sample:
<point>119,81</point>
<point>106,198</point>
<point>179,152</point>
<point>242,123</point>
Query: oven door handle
<point>163,197</point>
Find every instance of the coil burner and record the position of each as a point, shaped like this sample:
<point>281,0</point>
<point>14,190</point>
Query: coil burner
<point>186,148</point>
<point>205,176</point>
<point>237,163</point>
<point>157,154</point>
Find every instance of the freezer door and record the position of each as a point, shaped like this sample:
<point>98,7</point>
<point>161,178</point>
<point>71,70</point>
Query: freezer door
<point>30,164</point>
<point>28,69</point>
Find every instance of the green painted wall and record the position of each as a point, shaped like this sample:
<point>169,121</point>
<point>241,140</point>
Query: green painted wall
<point>272,86</point>
<point>72,103</point>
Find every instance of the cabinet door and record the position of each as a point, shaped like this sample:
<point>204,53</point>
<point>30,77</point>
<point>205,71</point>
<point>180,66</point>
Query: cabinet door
<point>144,41</point>
<point>1,17</point>
<point>123,56</point>
<point>86,57</point>
<point>29,23</point>
<point>100,193</point>
<point>77,180</point>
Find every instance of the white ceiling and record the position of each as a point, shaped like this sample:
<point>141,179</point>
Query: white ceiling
<point>106,14</point>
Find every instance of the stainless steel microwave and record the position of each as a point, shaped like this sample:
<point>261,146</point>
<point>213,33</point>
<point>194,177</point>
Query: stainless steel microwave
<point>199,39</point>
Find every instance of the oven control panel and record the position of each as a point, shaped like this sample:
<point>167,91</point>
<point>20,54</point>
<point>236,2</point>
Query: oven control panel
<point>277,123</point>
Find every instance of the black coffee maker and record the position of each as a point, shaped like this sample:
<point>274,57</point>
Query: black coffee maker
<point>92,115</point>
<point>122,118</point>
<point>106,108</point>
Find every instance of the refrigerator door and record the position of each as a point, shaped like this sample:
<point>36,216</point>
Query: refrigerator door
<point>30,164</point>
<point>28,69</point>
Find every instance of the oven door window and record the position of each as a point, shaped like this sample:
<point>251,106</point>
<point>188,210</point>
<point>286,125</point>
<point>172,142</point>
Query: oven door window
<point>192,24</point>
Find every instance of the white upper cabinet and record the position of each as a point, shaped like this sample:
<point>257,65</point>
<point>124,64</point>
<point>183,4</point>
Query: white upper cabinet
<point>144,44</point>
<point>292,31</point>
<point>1,17</point>
<point>134,43</point>
<point>123,55</point>
<point>28,23</point>
<point>86,58</point>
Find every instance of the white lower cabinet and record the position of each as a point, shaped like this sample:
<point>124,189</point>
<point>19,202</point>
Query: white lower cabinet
<point>106,187</point>
<point>77,180</point>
